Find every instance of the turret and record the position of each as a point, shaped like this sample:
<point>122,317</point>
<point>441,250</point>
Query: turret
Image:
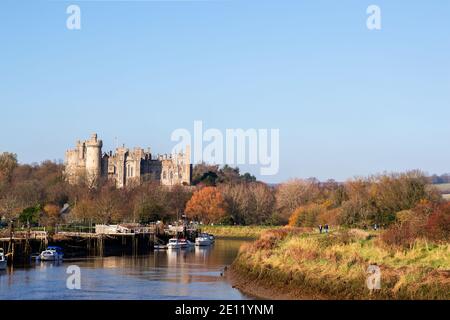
<point>187,166</point>
<point>93,158</point>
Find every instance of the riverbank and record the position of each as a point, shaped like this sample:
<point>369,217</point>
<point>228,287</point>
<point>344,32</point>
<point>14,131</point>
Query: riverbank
<point>250,232</point>
<point>299,264</point>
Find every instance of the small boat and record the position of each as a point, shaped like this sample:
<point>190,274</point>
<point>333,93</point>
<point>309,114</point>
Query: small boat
<point>175,244</point>
<point>203,240</point>
<point>52,254</point>
<point>3,260</point>
<point>212,238</point>
<point>179,244</point>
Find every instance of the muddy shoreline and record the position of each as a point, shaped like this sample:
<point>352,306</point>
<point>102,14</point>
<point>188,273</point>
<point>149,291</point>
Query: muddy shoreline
<point>260,290</point>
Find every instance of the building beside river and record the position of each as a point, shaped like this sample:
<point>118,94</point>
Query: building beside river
<point>125,166</point>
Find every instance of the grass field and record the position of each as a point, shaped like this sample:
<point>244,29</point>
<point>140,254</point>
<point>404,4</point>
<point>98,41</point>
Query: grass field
<point>443,187</point>
<point>236,231</point>
<point>335,266</point>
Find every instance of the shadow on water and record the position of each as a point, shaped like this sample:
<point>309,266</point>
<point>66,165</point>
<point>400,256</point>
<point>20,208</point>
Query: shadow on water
<point>181,274</point>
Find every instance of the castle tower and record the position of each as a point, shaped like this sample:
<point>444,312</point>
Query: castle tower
<point>187,178</point>
<point>93,158</point>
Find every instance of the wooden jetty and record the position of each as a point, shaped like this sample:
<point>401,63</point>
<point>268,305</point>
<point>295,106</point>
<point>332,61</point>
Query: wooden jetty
<point>107,241</point>
<point>20,247</point>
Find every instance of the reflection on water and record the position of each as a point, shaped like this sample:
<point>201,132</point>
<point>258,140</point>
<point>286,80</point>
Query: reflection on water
<point>181,274</point>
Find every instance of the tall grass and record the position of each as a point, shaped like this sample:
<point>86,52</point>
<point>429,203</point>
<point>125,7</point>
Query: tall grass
<point>236,231</point>
<point>335,265</point>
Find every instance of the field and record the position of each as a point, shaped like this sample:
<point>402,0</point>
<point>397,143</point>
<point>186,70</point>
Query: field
<point>295,264</point>
<point>443,187</point>
<point>236,231</point>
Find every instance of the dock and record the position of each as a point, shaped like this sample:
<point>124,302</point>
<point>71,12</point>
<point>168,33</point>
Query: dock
<point>107,240</point>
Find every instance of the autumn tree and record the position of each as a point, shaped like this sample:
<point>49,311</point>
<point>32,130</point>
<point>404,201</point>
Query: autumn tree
<point>377,199</point>
<point>8,162</point>
<point>83,210</point>
<point>206,205</point>
<point>108,204</point>
<point>294,194</point>
<point>10,206</point>
<point>249,203</point>
<point>150,203</point>
<point>51,215</point>
<point>178,197</point>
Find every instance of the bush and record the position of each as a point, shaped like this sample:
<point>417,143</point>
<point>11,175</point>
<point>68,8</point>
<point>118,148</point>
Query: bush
<point>438,224</point>
<point>399,235</point>
<point>427,220</point>
<point>271,238</point>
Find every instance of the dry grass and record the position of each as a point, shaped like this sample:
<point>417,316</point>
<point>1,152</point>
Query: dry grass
<point>335,265</point>
<point>443,187</point>
<point>236,231</point>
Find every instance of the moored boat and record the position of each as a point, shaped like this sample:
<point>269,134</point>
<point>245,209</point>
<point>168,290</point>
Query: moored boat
<point>52,254</point>
<point>203,240</point>
<point>3,260</point>
<point>179,244</point>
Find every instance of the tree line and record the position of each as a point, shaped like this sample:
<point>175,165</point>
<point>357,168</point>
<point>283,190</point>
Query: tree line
<point>36,194</point>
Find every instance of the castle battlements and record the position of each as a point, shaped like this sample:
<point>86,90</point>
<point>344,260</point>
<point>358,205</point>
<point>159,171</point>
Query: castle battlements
<point>125,166</point>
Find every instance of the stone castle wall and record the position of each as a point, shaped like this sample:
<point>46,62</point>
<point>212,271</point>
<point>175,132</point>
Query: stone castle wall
<point>126,167</point>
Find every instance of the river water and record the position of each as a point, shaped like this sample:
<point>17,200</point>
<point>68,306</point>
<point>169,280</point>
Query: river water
<point>193,274</point>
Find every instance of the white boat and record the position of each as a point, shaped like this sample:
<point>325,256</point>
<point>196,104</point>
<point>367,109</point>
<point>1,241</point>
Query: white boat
<point>212,238</point>
<point>160,247</point>
<point>179,244</point>
<point>3,260</point>
<point>52,254</point>
<point>203,240</point>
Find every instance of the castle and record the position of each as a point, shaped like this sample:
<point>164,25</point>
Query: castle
<point>125,167</point>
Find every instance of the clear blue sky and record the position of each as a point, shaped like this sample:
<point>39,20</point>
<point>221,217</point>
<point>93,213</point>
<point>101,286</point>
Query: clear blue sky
<point>348,101</point>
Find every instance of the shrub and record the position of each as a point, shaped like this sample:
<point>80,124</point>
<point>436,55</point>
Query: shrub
<point>269,239</point>
<point>399,235</point>
<point>427,220</point>
<point>438,224</point>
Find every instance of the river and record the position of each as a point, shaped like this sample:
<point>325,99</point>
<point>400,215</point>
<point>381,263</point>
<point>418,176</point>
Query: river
<point>193,274</point>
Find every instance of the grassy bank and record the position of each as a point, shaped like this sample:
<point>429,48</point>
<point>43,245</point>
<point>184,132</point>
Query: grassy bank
<point>236,231</point>
<point>299,264</point>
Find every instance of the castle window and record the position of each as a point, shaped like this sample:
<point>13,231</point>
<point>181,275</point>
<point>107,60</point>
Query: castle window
<point>171,175</point>
<point>132,172</point>
<point>164,175</point>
